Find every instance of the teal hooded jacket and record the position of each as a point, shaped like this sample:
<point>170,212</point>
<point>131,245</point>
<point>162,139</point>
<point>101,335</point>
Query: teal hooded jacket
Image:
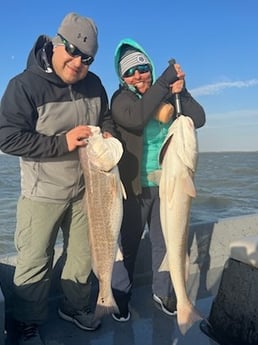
<point>134,115</point>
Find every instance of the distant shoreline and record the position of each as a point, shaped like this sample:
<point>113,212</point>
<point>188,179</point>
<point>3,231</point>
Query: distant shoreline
<point>233,151</point>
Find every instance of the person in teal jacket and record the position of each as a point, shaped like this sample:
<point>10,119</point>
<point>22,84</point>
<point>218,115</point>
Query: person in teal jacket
<point>143,110</point>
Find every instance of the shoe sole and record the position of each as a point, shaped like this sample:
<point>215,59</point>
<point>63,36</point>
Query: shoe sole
<point>122,319</point>
<point>77,323</point>
<point>161,306</point>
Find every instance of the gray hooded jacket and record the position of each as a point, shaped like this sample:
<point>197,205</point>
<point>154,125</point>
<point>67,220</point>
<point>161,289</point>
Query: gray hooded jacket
<point>37,110</point>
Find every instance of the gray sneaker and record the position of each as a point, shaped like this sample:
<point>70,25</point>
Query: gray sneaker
<point>166,304</point>
<point>28,334</point>
<point>84,319</point>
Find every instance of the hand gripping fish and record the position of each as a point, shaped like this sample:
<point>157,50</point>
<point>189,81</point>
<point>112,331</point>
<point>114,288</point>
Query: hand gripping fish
<point>178,158</point>
<point>103,207</point>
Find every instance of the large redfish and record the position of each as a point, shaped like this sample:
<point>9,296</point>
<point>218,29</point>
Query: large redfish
<point>103,207</point>
<point>178,158</point>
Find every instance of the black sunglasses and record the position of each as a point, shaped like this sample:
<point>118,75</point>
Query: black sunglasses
<point>140,68</point>
<point>73,51</point>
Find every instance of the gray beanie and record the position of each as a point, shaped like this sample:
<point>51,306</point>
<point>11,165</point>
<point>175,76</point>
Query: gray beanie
<point>132,58</point>
<point>80,31</point>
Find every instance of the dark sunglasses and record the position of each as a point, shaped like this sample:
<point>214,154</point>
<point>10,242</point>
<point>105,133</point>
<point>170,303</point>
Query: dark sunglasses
<point>73,51</point>
<point>140,68</point>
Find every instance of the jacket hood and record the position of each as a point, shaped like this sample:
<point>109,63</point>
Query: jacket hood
<point>134,45</point>
<point>39,59</point>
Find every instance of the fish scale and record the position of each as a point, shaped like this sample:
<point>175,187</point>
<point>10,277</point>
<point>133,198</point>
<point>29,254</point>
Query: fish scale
<point>104,210</point>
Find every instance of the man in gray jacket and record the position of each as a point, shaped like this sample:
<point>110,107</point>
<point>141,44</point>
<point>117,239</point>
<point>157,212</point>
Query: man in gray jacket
<point>44,115</point>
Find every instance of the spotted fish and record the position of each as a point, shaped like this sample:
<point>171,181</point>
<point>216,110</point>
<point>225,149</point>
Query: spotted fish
<point>103,198</point>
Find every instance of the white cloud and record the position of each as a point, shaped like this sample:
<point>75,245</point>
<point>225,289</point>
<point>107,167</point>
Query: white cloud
<point>234,130</point>
<point>212,89</point>
<point>233,118</point>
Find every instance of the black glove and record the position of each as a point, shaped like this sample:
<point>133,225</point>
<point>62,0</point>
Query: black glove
<point>169,76</point>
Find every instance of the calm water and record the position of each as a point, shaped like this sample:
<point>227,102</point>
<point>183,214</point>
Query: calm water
<point>227,185</point>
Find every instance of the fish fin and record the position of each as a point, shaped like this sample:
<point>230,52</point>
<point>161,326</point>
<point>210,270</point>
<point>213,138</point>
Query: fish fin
<point>189,187</point>
<point>164,264</point>
<point>187,315</point>
<point>119,255</point>
<point>154,176</point>
<point>105,306</point>
<point>123,190</point>
<point>106,303</point>
<point>117,184</point>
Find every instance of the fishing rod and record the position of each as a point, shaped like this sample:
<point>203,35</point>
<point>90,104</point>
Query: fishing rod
<point>177,95</point>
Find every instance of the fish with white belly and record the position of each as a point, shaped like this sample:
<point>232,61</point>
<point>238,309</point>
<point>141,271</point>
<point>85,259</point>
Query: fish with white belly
<point>178,158</point>
<point>103,200</point>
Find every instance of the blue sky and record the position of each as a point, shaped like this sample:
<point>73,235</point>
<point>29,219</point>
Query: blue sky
<point>214,41</point>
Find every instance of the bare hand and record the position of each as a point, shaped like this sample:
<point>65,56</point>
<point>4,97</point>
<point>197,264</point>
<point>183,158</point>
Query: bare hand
<point>106,135</point>
<point>178,86</point>
<point>76,135</point>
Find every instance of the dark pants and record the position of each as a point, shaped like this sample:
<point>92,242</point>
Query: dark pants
<point>139,211</point>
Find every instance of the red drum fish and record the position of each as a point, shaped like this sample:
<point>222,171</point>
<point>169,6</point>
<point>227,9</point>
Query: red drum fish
<point>104,210</point>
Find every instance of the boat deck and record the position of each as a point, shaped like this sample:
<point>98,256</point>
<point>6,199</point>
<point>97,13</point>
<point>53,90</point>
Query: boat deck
<point>209,248</point>
<point>148,325</point>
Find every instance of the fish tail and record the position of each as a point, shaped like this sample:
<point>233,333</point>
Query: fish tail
<point>187,315</point>
<point>164,265</point>
<point>105,306</point>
